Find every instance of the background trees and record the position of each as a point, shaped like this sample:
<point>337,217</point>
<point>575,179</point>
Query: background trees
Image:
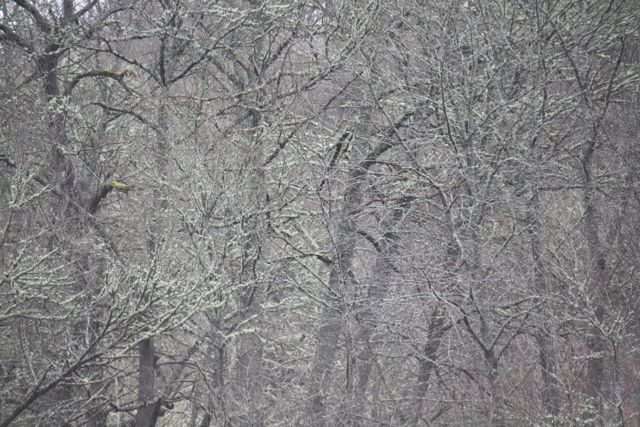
<point>339,213</point>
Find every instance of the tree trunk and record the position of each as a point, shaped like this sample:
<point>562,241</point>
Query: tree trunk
<point>249,373</point>
<point>595,341</point>
<point>331,317</point>
<point>149,411</point>
<point>543,335</point>
<point>427,363</point>
<point>388,248</point>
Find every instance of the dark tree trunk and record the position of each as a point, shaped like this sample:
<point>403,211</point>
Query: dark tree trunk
<point>148,413</point>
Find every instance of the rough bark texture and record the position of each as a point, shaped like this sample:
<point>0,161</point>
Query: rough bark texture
<point>597,281</point>
<point>149,410</point>
<point>331,317</point>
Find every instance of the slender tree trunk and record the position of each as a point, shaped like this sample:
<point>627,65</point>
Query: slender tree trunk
<point>249,373</point>
<point>331,317</point>
<point>595,341</point>
<point>215,389</point>
<point>346,232</point>
<point>427,359</point>
<point>388,249</point>
<point>547,357</point>
<point>544,337</point>
<point>497,399</point>
<point>48,67</point>
<point>597,261</point>
<point>427,363</point>
<point>149,411</point>
<point>147,415</point>
<point>331,321</point>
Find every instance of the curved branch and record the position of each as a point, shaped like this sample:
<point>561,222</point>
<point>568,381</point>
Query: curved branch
<point>10,35</point>
<point>35,14</point>
<point>116,75</point>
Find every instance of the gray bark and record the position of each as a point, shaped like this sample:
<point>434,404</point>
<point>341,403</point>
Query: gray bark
<point>332,314</point>
<point>543,335</point>
<point>346,236</point>
<point>597,280</point>
<point>331,317</point>
<point>388,247</point>
<point>249,373</point>
<point>427,363</point>
<point>148,413</point>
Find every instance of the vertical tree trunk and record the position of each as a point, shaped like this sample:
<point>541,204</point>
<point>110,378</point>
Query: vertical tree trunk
<point>597,277</point>
<point>47,63</point>
<point>249,373</point>
<point>426,363</point>
<point>331,317</point>
<point>437,328</point>
<point>345,238</point>
<point>597,261</point>
<point>497,398</point>
<point>388,249</point>
<point>544,337</point>
<point>148,413</point>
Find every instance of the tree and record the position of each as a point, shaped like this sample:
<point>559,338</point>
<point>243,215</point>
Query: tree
<point>320,213</point>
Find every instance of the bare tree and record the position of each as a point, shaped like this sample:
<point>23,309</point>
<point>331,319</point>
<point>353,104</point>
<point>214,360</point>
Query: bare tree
<point>318,212</point>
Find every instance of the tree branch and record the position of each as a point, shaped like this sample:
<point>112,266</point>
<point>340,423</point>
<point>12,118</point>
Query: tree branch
<point>35,14</point>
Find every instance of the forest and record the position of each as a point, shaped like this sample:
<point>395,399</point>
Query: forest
<point>319,213</point>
